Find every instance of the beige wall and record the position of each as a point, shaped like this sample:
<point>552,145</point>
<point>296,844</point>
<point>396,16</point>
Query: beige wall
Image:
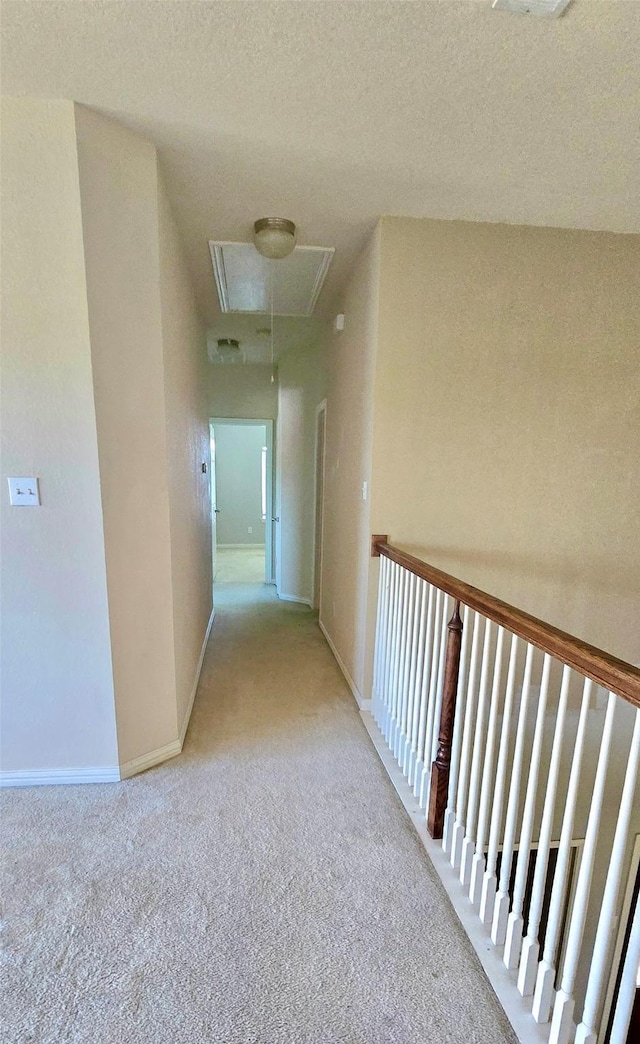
<point>119,191</point>
<point>57,687</point>
<point>507,425</point>
<point>242,392</point>
<point>188,447</point>
<point>301,387</point>
<point>107,586</point>
<point>350,368</point>
<point>507,416</point>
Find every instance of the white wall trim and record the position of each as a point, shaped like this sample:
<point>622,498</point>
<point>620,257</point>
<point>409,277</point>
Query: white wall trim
<point>362,703</point>
<point>294,598</point>
<point>187,714</point>
<point>146,761</point>
<point>111,773</point>
<point>503,982</point>
<point>56,777</point>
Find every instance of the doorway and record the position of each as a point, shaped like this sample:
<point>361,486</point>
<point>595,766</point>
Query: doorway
<point>320,442</point>
<point>241,500</point>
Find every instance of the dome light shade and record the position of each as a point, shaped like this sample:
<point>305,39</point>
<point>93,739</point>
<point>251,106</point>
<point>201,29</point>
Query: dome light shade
<point>274,237</point>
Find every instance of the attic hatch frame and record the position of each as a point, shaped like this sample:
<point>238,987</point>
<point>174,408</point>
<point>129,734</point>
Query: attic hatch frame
<point>260,275</point>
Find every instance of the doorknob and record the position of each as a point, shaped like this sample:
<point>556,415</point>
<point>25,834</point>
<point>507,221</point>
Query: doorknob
<point>217,511</point>
<point>275,519</point>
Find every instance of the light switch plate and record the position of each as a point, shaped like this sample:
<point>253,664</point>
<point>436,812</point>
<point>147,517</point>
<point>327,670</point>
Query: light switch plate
<point>24,492</point>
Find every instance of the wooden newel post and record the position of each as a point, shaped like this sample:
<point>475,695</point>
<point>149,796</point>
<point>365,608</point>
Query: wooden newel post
<point>440,767</point>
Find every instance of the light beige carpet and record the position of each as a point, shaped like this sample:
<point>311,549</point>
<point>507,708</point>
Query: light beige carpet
<point>240,565</point>
<point>265,887</point>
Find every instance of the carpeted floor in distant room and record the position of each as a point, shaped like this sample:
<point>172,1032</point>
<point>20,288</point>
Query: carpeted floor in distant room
<point>264,887</point>
<point>243,565</point>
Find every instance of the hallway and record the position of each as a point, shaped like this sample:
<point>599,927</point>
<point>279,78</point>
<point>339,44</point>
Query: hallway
<point>237,565</point>
<point>266,886</point>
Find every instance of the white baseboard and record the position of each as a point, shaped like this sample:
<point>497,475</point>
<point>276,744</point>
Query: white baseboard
<point>503,982</point>
<point>153,757</point>
<point>196,681</point>
<point>171,750</point>
<point>108,773</point>
<point>294,598</point>
<point>349,680</point>
<point>56,777</point>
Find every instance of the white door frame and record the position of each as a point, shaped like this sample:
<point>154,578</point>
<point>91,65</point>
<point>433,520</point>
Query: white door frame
<point>268,523</point>
<point>212,497</point>
<point>321,408</point>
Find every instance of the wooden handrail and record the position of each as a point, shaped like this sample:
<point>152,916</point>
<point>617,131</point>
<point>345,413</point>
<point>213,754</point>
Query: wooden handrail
<point>614,674</point>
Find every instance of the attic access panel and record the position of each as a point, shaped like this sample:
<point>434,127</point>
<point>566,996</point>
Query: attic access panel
<point>541,8</point>
<point>243,278</point>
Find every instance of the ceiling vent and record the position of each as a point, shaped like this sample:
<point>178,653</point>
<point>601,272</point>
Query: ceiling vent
<point>244,278</point>
<point>224,350</point>
<point>541,8</point>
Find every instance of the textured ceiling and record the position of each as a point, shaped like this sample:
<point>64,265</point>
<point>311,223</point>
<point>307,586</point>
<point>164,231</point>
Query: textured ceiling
<point>254,334</point>
<point>334,113</point>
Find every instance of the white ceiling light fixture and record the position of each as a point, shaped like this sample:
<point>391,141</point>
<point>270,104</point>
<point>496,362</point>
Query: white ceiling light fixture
<point>274,237</point>
<point>541,8</point>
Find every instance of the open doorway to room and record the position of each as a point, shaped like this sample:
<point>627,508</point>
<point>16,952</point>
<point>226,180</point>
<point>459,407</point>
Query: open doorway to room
<point>241,494</point>
<point>320,436</point>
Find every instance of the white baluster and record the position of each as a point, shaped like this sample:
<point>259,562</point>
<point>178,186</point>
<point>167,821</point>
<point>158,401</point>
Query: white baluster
<point>402,650</point>
<point>468,845</point>
<point>407,649</point>
<point>587,1032</point>
<point>412,717</point>
<point>513,941</point>
<point>423,738</point>
<point>404,660</point>
<point>562,1019</point>
<point>385,637</point>
<point>395,655</point>
<point>478,862</point>
<point>388,654</point>
<point>530,947</point>
<point>467,737</point>
<point>411,680</point>
<point>433,709</point>
<point>378,641</point>
<point>454,770</point>
<point>628,984</point>
<point>490,880</point>
<point>501,905</point>
<point>422,682</point>
<point>543,994</point>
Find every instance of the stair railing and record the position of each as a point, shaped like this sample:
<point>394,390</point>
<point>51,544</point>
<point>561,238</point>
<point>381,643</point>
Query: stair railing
<point>521,744</point>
